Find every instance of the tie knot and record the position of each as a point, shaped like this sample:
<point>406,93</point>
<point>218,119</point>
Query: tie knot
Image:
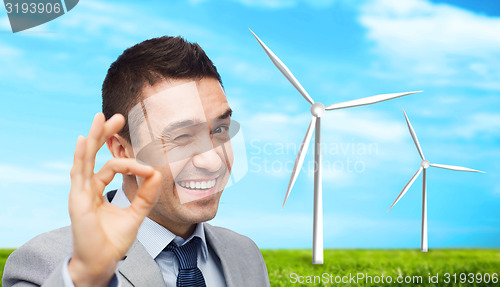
<point>186,254</point>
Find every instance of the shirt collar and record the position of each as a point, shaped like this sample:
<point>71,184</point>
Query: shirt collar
<point>155,237</point>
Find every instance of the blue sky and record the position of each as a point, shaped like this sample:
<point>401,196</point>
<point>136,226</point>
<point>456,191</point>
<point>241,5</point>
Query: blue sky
<point>339,50</point>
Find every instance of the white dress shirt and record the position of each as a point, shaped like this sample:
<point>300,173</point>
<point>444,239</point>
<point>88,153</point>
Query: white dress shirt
<point>155,238</point>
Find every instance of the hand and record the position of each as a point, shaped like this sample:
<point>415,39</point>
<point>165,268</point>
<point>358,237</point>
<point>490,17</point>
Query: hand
<point>102,232</point>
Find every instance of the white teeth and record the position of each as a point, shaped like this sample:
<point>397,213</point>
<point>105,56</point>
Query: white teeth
<point>198,184</point>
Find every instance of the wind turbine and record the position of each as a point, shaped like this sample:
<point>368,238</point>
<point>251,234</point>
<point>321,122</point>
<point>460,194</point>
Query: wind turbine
<point>424,164</point>
<point>317,110</point>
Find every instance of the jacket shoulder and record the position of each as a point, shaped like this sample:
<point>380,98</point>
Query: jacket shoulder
<point>34,261</point>
<point>230,238</point>
<point>241,258</point>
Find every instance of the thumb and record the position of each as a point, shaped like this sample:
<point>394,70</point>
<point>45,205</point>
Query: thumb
<point>147,195</point>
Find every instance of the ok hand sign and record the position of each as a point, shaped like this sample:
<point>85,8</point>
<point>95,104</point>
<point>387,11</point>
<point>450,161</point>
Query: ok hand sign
<point>102,232</point>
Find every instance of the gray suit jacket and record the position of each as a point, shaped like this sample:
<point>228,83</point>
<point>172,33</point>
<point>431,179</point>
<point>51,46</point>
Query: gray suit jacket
<point>39,262</point>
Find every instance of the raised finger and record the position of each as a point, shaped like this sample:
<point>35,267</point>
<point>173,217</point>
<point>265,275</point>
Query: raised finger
<point>120,165</point>
<point>93,139</point>
<point>101,131</point>
<point>77,177</point>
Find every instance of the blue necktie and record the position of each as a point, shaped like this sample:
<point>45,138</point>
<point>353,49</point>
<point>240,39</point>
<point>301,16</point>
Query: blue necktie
<point>189,274</point>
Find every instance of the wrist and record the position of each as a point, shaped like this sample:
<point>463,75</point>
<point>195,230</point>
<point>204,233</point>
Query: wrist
<point>84,275</point>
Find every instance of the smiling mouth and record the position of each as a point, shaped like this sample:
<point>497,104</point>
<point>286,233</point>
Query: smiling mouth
<point>198,185</point>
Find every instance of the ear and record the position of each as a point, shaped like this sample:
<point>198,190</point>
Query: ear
<point>119,147</point>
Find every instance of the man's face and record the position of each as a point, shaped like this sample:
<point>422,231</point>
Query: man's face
<point>184,134</point>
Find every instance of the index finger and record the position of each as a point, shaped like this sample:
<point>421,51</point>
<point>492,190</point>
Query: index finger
<point>76,170</point>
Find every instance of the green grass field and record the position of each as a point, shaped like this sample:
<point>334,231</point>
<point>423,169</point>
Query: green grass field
<point>410,265</point>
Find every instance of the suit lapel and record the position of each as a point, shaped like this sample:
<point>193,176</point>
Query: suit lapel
<point>140,269</point>
<point>228,261</point>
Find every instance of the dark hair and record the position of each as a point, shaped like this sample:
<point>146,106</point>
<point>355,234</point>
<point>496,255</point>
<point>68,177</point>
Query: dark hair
<point>148,63</point>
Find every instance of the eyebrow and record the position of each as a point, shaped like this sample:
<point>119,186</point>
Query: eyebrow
<point>226,114</point>
<point>178,125</point>
<point>185,123</point>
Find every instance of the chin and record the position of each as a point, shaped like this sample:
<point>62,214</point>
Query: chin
<point>203,209</point>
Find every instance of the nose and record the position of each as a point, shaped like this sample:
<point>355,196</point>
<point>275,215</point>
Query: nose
<point>208,160</point>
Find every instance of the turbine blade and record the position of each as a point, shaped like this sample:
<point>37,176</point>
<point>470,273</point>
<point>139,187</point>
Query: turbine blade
<point>454,167</point>
<point>407,186</point>
<point>368,100</point>
<point>300,158</point>
<point>284,70</point>
<point>414,136</point>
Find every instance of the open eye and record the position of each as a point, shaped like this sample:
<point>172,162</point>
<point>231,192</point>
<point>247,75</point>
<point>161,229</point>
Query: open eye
<point>220,129</point>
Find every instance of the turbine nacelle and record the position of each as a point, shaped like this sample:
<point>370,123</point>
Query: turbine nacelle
<point>317,109</point>
<point>425,163</point>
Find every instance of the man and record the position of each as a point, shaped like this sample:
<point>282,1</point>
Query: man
<point>151,232</point>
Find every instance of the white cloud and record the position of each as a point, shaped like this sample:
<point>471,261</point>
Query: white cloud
<point>334,172</point>
<point>58,165</point>
<point>480,123</point>
<point>91,21</point>
<point>336,125</point>
<point>8,51</point>
<point>436,27</point>
<point>13,63</point>
<point>33,219</point>
<point>472,127</point>
<point>244,70</point>
<point>452,45</point>
<point>112,25</point>
<point>5,24</point>
<point>275,126</point>
<point>91,18</point>
<point>432,29</point>
<point>374,126</point>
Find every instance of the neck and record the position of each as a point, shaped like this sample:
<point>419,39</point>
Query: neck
<point>179,229</point>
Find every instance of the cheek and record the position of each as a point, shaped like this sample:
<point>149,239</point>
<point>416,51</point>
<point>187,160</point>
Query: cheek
<point>175,168</point>
<point>167,186</point>
<point>226,154</point>
<point>166,174</point>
